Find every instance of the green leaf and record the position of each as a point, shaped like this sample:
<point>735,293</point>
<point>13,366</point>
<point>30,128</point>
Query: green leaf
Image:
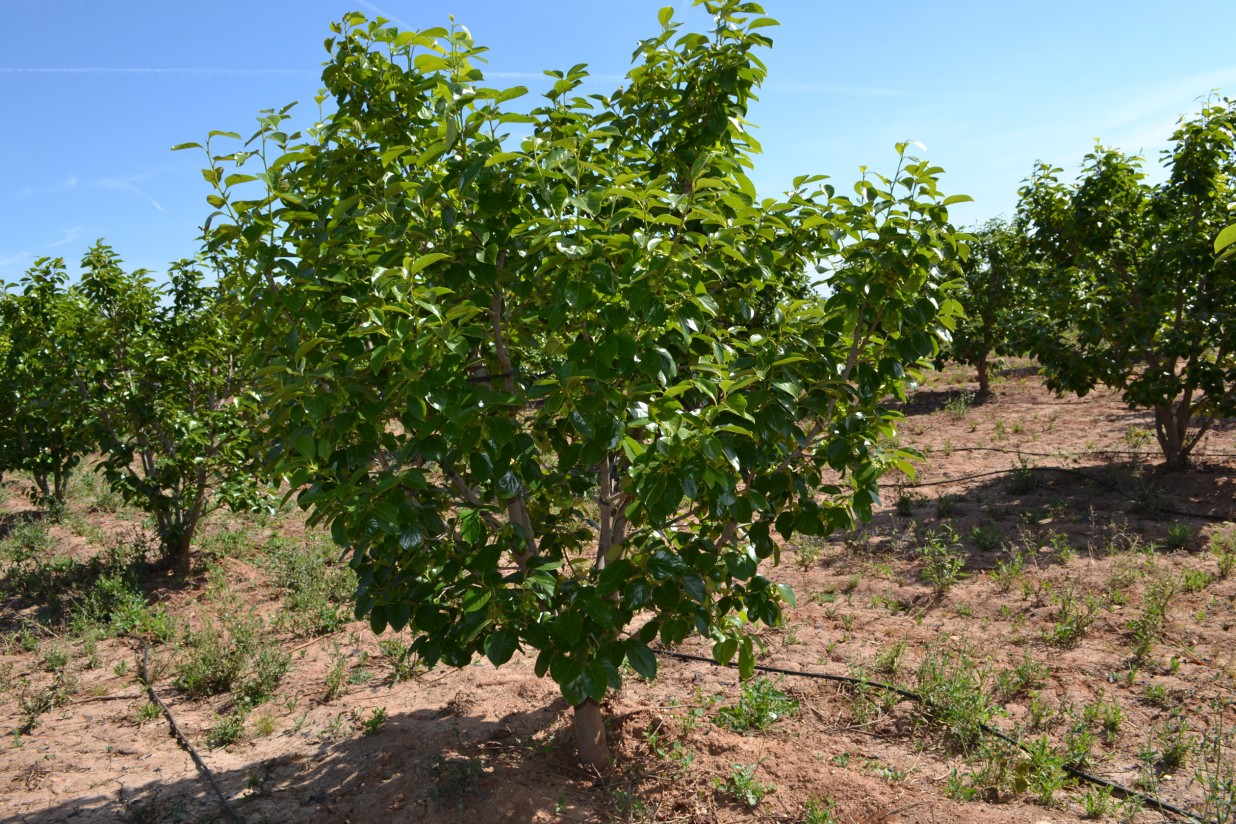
<point>642,659</point>
<point>501,645</point>
<point>1225,238</point>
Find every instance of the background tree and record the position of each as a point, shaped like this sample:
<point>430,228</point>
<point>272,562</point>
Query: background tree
<point>160,379</point>
<point>42,430</point>
<point>995,297</point>
<point>557,393</point>
<point>1131,295</point>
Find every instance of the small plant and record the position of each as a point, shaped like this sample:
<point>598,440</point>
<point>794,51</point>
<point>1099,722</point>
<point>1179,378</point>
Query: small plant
<point>987,537</point>
<point>950,684</point>
<point>888,659</point>
<point>226,730</point>
<point>147,711</point>
<point>1179,536</point>
<point>1009,570</point>
<point>958,406</point>
<point>1097,802</point>
<point>819,811</point>
<point>1046,771</point>
<point>264,725</point>
<point>760,706</point>
<point>907,501</point>
<point>337,676</point>
<point>809,551</point>
<point>1023,677</point>
<point>1021,480</point>
<point>741,787</point>
<point>1073,618</point>
<point>942,564</point>
<point>1194,580</point>
<point>1040,711</point>
<point>1223,548</point>
<point>375,721</point>
<point>454,779</point>
<point>946,506</point>
<point>1148,627</point>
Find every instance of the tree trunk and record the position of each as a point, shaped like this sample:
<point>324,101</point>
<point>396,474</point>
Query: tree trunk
<point>1169,430</point>
<point>984,381</point>
<point>590,735</point>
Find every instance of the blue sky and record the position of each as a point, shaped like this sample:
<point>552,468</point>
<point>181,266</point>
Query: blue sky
<point>98,92</point>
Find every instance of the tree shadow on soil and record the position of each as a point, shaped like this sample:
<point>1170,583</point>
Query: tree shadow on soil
<point>1050,513</point>
<point>424,766</point>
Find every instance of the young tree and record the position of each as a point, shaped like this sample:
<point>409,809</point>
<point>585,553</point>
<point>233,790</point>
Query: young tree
<point>160,378</point>
<point>995,299</point>
<point>1131,295</point>
<point>41,427</point>
<point>557,393</point>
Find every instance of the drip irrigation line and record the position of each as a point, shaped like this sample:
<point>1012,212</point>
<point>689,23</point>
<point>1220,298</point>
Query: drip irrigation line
<point>181,739</point>
<point>1204,516</point>
<point>1096,451</point>
<point>1126,792</point>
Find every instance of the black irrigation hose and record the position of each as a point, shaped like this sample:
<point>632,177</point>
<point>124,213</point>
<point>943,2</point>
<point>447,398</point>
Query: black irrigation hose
<point>1204,516</point>
<point>1162,806</point>
<point>1095,451</point>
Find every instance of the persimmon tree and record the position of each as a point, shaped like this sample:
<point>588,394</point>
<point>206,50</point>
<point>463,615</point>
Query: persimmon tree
<point>1130,294</point>
<point>161,382</point>
<point>995,295</point>
<point>41,427</point>
<point>559,392</point>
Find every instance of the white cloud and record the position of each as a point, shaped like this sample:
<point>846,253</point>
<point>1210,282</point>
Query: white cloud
<point>69,182</point>
<point>70,235</point>
<point>126,184</point>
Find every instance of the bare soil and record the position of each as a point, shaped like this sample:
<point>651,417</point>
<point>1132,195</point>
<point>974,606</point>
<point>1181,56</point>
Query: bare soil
<point>1070,485</point>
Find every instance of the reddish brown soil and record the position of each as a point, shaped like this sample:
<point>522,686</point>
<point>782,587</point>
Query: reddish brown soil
<point>484,745</point>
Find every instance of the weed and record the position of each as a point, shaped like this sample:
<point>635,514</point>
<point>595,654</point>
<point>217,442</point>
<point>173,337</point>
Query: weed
<point>1073,618</point>
<point>942,564</point>
<point>987,537</point>
<point>336,677</point>
<point>1009,570</point>
<point>741,787</point>
<point>317,588</point>
<point>1223,547</point>
<point>454,779</point>
<point>760,706</point>
<point>147,711</point>
<point>214,659</point>
<point>1097,802</point>
<point>1021,480</point>
<point>819,811</point>
<point>1176,742</point>
<point>1148,627</point>
<point>809,551</point>
<point>946,506</point>
<point>1194,580</point>
<point>264,725</point>
<point>907,501</point>
<point>399,656</point>
<point>1023,677</point>
<point>266,671</point>
<point>1157,695</point>
<point>950,685</point>
<point>375,721</point>
<point>226,730</point>
<point>1179,536</point>
<point>888,659</point>
<point>1216,772</point>
<point>958,406</point>
<point>1046,770</point>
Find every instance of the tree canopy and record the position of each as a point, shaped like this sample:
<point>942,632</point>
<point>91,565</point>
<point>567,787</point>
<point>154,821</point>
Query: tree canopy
<point>557,378</point>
